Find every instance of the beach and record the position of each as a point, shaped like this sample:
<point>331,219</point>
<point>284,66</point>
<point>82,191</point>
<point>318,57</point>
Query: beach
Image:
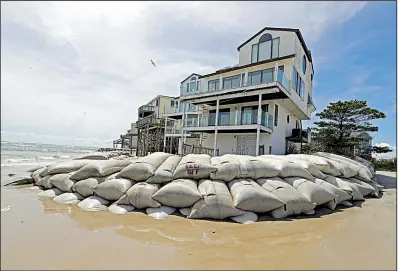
<point>41,234</point>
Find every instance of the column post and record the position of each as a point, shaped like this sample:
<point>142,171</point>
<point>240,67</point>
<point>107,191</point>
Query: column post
<point>258,124</point>
<point>216,127</point>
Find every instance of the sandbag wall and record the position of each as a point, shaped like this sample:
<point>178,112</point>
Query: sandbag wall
<point>199,186</point>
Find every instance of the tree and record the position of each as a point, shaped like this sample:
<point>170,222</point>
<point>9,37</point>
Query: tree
<point>339,120</point>
<point>381,149</point>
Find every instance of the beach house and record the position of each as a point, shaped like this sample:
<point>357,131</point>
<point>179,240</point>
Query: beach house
<point>255,107</point>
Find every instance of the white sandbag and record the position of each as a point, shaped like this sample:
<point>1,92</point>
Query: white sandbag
<point>310,167</point>
<point>62,181</point>
<point>179,193</point>
<point>160,213</point>
<point>310,190</point>
<point>144,167</point>
<point>217,202</point>
<point>295,202</point>
<point>363,187</point>
<point>113,189</point>
<point>185,211</point>
<point>100,169</point>
<point>140,195</point>
<point>346,170</point>
<point>377,190</point>
<point>35,168</point>
<point>227,168</point>
<point>322,164</point>
<point>44,172</point>
<point>343,184</point>
<point>120,209</point>
<point>164,173</point>
<point>341,194</point>
<point>68,198</point>
<point>50,193</point>
<point>287,168</point>
<point>250,196</point>
<point>246,218</point>
<point>366,163</point>
<point>67,166</point>
<point>93,203</point>
<point>86,187</point>
<point>37,172</point>
<point>45,182</point>
<point>254,167</point>
<point>93,156</point>
<point>195,167</point>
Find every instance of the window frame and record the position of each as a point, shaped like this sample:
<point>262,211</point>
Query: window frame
<point>276,113</point>
<point>216,83</point>
<point>257,45</point>
<point>231,78</point>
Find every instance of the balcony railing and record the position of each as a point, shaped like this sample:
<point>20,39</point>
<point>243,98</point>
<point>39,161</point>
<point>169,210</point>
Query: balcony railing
<point>146,108</point>
<point>173,110</point>
<point>271,77</point>
<point>151,120</point>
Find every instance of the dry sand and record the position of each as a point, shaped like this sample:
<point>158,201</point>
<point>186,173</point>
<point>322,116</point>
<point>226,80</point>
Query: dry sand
<point>40,234</point>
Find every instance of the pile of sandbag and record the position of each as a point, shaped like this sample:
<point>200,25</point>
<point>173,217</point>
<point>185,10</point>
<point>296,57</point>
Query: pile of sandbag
<point>238,187</point>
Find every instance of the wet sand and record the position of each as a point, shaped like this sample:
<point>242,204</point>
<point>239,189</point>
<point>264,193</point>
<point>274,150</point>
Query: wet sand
<point>40,234</point>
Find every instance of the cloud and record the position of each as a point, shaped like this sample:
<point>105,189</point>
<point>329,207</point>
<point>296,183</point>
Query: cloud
<point>360,81</point>
<point>80,70</point>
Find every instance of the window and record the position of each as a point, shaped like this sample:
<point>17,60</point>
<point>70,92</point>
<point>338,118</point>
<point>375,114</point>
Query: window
<point>270,149</point>
<point>172,103</point>
<point>312,77</point>
<point>192,87</point>
<point>298,83</point>
<point>264,107</point>
<point>294,83</point>
<point>214,85</point>
<point>267,48</point>
<point>297,124</point>
<point>223,117</point>
<point>193,78</point>
<point>276,116</point>
<point>157,102</point>
<point>287,118</point>
<point>231,82</point>
<point>304,63</point>
<point>176,104</point>
<point>243,80</point>
<point>249,115</point>
<point>260,77</point>
<point>302,89</point>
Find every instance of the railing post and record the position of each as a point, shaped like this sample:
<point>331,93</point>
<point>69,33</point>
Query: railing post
<point>182,127</point>
<point>276,72</point>
<point>165,131</point>
<point>258,124</point>
<point>216,124</point>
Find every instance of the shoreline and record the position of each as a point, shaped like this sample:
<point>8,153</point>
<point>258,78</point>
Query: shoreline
<point>47,235</point>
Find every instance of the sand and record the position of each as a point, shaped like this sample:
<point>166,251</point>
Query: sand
<point>40,234</point>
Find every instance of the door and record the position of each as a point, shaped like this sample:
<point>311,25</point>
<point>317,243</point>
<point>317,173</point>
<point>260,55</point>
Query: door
<point>246,145</point>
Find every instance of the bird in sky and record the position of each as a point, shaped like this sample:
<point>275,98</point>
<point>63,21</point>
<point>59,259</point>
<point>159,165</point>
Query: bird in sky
<point>153,63</point>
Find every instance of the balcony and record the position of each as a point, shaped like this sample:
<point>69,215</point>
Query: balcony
<point>299,136</point>
<point>146,110</point>
<point>235,121</point>
<point>151,120</point>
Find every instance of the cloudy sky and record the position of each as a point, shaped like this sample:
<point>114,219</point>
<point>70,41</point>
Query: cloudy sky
<point>76,72</point>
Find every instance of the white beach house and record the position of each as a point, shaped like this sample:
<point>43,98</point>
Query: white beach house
<point>257,106</point>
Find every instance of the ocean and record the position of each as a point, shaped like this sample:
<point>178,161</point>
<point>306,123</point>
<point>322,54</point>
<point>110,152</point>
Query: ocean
<point>17,157</point>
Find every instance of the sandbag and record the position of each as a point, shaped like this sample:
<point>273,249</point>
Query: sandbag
<point>62,181</point>
<point>346,170</point>
<point>341,194</point>
<point>295,202</point>
<point>44,172</point>
<point>254,167</point>
<point>366,163</point>
<point>35,168</point>
<point>377,189</point>
<point>93,203</point>
<point>217,202</point>
<point>118,208</point>
<point>246,218</point>
<point>144,167</point>
<point>68,198</point>
<point>195,167</point>
<point>250,196</point>
<point>363,187</point>
<point>310,190</point>
<point>93,156</point>
<point>164,173</point>
<point>160,213</point>
<point>100,169</point>
<point>45,182</point>
<point>310,167</point>
<point>86,187</point>
<point>50,193</point>
<point>140,195</point>
<point>67,166</point>
<point>37,172</point>
<point>343,184</point>
<point>185,211</point>
<point>113,189</point>
<point>287,168</point>
<point>178,194</point>
<point>227,168</point>
<point>322,164</point>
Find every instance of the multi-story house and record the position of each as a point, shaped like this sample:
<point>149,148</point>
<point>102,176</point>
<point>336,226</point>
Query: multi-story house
<point>257,106</point>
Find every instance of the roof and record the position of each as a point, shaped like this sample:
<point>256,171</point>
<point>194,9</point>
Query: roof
<point>245,66</point>
<point>360,134</point>
<point>298,33</point>
<point>190,76</point>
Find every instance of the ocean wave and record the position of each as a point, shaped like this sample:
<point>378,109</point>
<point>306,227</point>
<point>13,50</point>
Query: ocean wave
<point>32,160</point>
<point>46,157</point>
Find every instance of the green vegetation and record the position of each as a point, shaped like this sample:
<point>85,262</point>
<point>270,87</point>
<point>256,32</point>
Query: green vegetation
<point>385,164</point>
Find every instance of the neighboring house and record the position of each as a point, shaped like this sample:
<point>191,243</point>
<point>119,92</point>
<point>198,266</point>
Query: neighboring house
<point>255,107</point>
<point>365,143</point>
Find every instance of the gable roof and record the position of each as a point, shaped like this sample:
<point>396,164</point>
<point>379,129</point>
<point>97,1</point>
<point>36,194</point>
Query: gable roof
<point>190,76</point>
<point>298,33</point>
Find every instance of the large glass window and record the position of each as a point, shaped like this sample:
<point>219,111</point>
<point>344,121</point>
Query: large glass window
<point>275,48</point>
<point>249,115</point>
<point>268,76</point>
<point>260,77</point>
<point>231,82</point>
<point>223,117</point>
<point>254,78</point>
<point>243,80</point>
<point>214,85</point>
<point>276,115</point>
<point>302,89</point>
<point>294,83</point>
<point>254,53</point>
<point>264,50</point>
<point>192,86</point>
<point>304,64</point>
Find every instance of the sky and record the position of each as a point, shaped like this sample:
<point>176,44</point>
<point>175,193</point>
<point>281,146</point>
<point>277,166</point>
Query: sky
<point>76,72</point>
